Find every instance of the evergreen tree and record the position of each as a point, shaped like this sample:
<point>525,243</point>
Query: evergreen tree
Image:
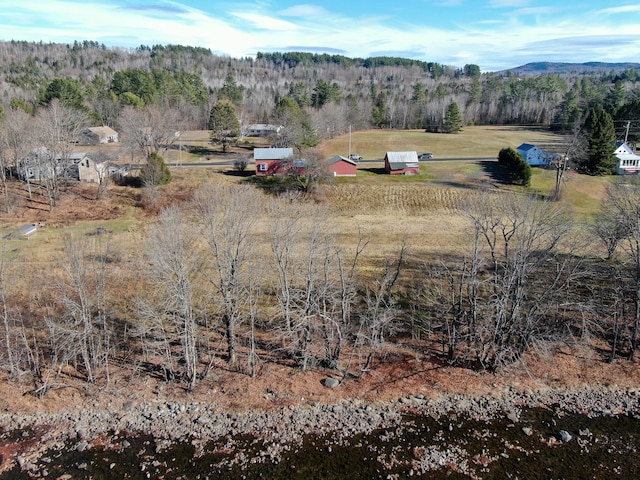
<point>231,90</point>
<point>155,171</point>
<point>568,112</point>
<point>67,90</point>
<point>324,93</point>
<point>452,119</point>
<point>297,128</point>
<point>518,170</point>
<point>601,137</point>
<point>223,123</point>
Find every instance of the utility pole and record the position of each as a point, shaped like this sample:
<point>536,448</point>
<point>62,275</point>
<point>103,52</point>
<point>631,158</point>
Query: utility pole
<point>626,135</point>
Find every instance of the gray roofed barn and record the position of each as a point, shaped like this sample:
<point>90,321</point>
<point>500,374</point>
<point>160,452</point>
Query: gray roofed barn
<point>402,163</point>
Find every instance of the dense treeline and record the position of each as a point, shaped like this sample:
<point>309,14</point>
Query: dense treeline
<point>373,92</point>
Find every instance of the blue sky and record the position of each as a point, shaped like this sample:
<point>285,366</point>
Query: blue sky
<point>494,34</point>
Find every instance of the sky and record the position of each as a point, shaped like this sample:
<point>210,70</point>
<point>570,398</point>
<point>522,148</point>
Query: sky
<point>493,34</point>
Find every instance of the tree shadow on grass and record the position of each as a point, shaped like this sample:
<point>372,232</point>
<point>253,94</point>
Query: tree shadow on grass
<point>498,173</point>
<point>198,150</point>
<point>376,170</point>
<point>239,174</point>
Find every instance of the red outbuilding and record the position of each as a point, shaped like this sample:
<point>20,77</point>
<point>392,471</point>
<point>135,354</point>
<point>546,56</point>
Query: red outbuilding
<point>402,163</point>
<point>340,166</point>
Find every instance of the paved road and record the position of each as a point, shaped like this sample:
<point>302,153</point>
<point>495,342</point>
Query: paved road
<point>225,163</point>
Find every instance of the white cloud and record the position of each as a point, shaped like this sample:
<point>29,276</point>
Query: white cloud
<point>304,11</point>
<point>265,22</point>
<point>619,10</point>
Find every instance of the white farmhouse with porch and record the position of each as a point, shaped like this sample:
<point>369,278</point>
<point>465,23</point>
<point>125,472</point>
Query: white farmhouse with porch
<point>628,161</point>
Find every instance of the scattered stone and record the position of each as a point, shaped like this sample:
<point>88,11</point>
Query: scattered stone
<point>82,446</point>
<point>512,417</point>
<point>330,382</point>
<point>564,436</point>
<point>528,431</point>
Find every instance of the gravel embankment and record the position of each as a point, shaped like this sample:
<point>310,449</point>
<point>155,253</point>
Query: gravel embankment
<point>192,421</point>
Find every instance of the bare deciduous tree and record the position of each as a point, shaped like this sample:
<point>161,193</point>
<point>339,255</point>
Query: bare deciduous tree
<point>152,129</point>
<point>620,220</point>
<point>79,329</point>
<point>174,261</point>
<point>228,214</point>
<point>17,140</point>
<point>58,128</point>
<point>381,310</point>
<point>503,292</point>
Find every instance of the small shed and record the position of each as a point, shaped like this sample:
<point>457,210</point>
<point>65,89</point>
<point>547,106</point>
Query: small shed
<point>402,163</point>
<point>25,231</point>
<point>340,166</point>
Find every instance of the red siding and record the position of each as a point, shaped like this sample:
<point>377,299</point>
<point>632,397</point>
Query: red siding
<point>271,167</point>
<point>276,167</point>
<point>343,168</point>
<point>405,171</point>
<point>401,171</point>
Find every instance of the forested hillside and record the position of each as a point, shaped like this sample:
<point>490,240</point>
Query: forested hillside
<point>325,94</point>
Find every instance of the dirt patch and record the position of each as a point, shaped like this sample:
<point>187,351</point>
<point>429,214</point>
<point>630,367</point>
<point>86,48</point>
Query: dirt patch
<point>76,202</point>
<point>401,372</point>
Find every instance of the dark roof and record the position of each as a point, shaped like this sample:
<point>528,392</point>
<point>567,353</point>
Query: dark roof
<point>340,158</point>
<point>526,146</point>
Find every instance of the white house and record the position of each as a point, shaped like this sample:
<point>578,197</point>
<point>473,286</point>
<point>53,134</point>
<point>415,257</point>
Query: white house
<point>98,135</point>
<point>535,155</point>
<point>628,161</point>
<point>262,130</point>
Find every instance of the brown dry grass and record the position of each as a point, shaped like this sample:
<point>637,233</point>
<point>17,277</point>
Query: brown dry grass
<point>424,209</point>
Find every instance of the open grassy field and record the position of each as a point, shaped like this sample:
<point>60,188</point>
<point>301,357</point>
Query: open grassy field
<point>473,141</point>
<point>426,208</point>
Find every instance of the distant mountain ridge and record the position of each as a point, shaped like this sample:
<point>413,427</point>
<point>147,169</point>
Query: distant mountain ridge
<point>536,68</point>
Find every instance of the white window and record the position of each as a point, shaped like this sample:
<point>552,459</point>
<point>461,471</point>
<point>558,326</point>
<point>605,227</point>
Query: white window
<point>263,167</point>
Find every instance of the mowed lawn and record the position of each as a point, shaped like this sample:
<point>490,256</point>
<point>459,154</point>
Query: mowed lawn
<point>472,141</point>
<point>428,209</point>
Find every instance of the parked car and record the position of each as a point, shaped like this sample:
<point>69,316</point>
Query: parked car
<point>355,157</point>
<point>425,156</point>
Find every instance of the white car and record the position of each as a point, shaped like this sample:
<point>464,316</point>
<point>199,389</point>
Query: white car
<point>355,157</point>
<point>425,156</point>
